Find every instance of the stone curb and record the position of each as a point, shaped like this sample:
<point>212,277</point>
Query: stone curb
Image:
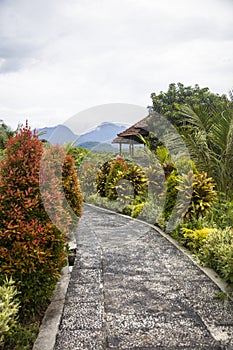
<point>51,320</point>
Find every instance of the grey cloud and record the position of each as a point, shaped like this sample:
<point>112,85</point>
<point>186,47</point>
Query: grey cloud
<point>25,29</point>
<point>15,55</point>
<point>47,32</point>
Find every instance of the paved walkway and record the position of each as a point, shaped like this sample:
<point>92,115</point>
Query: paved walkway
<point>131,288</point>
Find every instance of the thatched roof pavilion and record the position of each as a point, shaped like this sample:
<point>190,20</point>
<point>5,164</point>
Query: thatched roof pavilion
<point>131,135</point>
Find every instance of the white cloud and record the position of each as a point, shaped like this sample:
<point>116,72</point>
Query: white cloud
<point>63,56</point>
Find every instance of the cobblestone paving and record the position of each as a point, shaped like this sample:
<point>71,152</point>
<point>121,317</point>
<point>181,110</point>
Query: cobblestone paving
<point>131,288</point>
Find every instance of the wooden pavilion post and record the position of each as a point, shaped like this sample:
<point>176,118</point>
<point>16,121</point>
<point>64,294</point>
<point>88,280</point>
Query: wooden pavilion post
<point>130,148</point>
<point>120,148</point>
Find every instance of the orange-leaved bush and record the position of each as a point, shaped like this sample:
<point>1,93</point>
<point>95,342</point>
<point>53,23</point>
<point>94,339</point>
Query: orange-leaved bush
<point>71,186</point>
<point>32,248</point>
<point>63,202</point>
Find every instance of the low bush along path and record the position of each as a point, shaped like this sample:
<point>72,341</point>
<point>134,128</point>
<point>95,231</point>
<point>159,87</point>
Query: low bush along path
<point>131,288</point>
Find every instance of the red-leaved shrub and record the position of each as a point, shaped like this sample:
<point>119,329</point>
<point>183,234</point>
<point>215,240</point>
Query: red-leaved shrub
<point>32,248</point>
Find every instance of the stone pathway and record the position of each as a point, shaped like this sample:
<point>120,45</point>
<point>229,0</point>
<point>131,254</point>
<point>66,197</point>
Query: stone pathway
<point>131,288</point>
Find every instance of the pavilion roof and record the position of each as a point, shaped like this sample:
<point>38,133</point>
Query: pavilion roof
<point>131,134</point>
<point>126,140</point>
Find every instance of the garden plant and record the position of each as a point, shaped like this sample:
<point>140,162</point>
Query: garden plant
<point>33,250</point>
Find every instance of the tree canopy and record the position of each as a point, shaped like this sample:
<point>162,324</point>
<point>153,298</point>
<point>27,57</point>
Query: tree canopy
<point>204,120</point>
<point>169,103</point>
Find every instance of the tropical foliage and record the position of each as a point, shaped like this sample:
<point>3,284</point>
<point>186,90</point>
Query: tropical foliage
<point>209,139</point>
<point>217,252</point>
<point>205,122</point>
<point>203,193</point>
<point>121,179</point>
<point>189,151</point>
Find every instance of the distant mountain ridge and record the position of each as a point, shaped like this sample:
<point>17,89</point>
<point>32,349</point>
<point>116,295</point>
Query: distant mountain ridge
<point>103,133</point>
<point>59,134</point>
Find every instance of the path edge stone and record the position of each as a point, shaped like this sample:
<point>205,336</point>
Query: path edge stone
<point>46,337</point>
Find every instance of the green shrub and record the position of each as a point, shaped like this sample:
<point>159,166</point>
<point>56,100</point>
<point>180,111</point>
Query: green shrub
<point>9,307</point>
<point>133,210</point>
<point>217,253</point>
<point>203,194</point>
<point>87,178</point>
<point>185,165</point>
<point>133,175</point>
<point>118,170</point>
<point>156,181</point>
<point>76,152</point>
<point>165,160</point>
<point>22,337</point>
<point>194,239</point>
<point>32,249</point>
<point>136,209</point>
<point>221,213</point>
<point>171,194</point>
<point>2,154</point>
<point>101,178</point>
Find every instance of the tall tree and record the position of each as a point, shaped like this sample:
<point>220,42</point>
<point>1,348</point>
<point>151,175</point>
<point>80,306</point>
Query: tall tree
<point>169,103</point>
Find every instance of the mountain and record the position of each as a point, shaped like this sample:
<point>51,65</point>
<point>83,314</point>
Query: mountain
<point>98,146</point>
<point>46,132</point>
<point>57,135</point>
<point>103,133</point>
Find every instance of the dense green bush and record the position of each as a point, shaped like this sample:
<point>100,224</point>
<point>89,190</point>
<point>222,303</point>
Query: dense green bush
<point>194,239</point>
<point>22,337</point>
<point>217,253</point>
<point>117,172</point>
<point>5,134</point>
<point>171,194</point>
<point>184,169</point>
<point>221,213</point>
<point>203,194</point>
<point>9,307</point>
<point>101,178</point>
<point>77,153</point>
<point>211,245</point>
<point>87,177</point>
<point>121,178</point>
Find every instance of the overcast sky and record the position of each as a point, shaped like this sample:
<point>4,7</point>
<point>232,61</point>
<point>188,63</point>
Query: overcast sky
<point>60,57</point>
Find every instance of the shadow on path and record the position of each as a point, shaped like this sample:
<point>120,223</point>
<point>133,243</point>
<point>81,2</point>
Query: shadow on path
<point>131,288</point>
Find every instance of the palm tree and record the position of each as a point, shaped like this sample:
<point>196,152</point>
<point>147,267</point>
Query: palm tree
<point>209,138</point>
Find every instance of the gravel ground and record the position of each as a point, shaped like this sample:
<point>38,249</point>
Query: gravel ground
<point>131,288</point>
